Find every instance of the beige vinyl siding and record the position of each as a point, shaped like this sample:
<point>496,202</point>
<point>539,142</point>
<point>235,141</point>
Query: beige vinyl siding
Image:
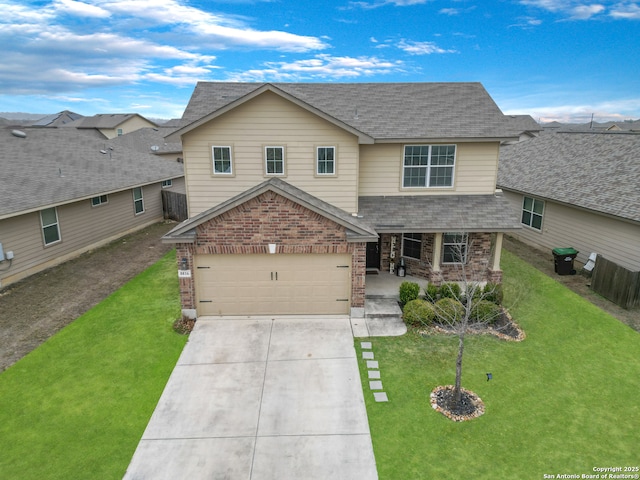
<point>82,228</point>
<point>269,120</point>
<point>381,170</point>
<point>587,232</point>
<point>128,126</point>
<point>178,186</point>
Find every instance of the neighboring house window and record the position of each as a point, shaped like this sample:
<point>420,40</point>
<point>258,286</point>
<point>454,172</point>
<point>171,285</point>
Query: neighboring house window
<point>167,183</point>
<point>326,161</point>
<point>119,132</point>
<point>454,247</point>
<point>138,201</point>
<point>222,161</point>
<point>411,245</point>
<point>95,201</point>
<point>274,158</point>
<point>428,165</point>
<point>532,211</point>
<point>50,227</point>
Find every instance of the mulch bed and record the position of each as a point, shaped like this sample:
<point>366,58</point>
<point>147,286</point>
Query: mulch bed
<point>471,406</point>
<point>184,325</point>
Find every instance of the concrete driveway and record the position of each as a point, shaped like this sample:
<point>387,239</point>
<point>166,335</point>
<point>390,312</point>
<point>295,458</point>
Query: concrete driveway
<point>261,398</point>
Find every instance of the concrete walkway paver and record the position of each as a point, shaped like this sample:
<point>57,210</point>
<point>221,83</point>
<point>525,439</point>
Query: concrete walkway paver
<point>261,399</point>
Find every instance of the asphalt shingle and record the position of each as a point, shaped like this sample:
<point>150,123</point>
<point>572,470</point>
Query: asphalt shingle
<point>596,171</point>
<point>59,165</point>
<point>384,111</point>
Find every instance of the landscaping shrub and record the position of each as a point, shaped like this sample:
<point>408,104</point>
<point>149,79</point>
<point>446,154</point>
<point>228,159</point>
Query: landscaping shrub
<point>450,290</point>
<point>493,293</point>
<point>449,310</point>
<point>431,292</point>
<point>485,311</point>
<point>408,291</point>
<point>418,312</point>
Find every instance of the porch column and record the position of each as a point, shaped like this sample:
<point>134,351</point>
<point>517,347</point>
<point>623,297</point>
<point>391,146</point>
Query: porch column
<point>497,252</point>
<point>437,250</point>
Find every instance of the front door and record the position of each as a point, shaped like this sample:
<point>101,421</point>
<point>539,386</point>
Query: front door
<point>373,255</point>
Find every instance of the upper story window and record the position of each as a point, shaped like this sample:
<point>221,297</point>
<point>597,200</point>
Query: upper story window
<point>274,160</point>
<point>222,164</point>
<point>119,131</point>
<point>428,166</point>
<point>95,201</point>
<point>454,247</point>
<point>532,212</point>
<point>167,183</point>
<point>50,227</point>
<point>326,160</point>
<point>138,201</point>
<point>411,245</point>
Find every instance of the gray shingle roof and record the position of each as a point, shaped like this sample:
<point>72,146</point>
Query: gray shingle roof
<point>357,229</point>
<point>106,120</point>
<point>60,165</point>
<point>446,213</point>
<point>58,119</point>
<point>596,171</point>
<point>143,139</point>
<point>384,111</point>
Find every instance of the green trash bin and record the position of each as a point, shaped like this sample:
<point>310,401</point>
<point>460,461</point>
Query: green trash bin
<point>563,260</point>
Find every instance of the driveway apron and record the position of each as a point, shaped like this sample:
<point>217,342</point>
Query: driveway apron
<point>261,398</point>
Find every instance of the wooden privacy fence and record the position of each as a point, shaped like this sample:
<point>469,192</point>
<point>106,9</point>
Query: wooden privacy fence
<point>616,283</point>
<point>174,205</point>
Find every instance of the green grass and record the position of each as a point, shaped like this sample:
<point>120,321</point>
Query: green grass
<point>76,407</point>
<point>563,401</point>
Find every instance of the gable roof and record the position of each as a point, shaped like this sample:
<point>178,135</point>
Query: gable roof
<point>356,229</point>
<point>58,119</point>
<point>379,111</point>
<point>146,140</point>
<point>593,171</point>
<point>106,120</point>
<point>53,166</point>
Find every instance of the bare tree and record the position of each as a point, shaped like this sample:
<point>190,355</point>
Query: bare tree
<point>467,301</point>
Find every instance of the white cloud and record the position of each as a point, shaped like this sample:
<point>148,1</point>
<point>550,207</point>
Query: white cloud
<point>80,9</point>
<point>585,9</point>
<point>629,11</point>
<point>421,48</point>
<point>321,66</point>
<point>567,113</point>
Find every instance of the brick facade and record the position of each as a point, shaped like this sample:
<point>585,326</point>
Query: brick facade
<point>478,267</point>
<point>267,219</point>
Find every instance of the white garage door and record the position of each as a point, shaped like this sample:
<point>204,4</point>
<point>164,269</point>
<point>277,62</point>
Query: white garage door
<point>273,284</point>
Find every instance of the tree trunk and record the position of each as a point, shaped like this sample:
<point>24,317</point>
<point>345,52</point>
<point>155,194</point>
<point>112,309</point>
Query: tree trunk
<point>457,391</point>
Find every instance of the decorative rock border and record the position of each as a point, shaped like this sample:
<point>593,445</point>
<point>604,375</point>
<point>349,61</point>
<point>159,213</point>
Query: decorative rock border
<point>475,400</point>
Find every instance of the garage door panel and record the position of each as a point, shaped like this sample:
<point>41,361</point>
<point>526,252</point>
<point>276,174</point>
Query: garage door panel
<point>273,284</point>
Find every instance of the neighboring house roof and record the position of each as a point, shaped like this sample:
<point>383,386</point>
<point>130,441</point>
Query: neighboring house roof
<point>53,166</point>
<point>58,119</point>
<point>380,111</point>
<point>442,213</point>
<point>357,229</point>
<point>106,120</point>
<point>593,171</point>
<point>149,140</point>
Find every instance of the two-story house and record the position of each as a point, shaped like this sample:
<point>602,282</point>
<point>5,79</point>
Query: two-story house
<point>295,190</point>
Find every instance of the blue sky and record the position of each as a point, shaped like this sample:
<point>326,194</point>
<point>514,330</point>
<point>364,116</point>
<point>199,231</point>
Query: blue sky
<point>553,59</point>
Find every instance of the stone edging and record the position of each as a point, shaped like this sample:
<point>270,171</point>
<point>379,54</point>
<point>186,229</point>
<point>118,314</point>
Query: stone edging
<point>475,399</point>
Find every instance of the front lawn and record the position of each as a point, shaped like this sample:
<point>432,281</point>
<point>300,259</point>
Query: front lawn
<point>563,401</point>
<point>77,406</point>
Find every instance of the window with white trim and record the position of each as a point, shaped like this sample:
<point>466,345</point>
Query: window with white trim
<point>119,132</point>
<point>326,160</point>
<point>138,201</point>
<point>411,245</point>
<point>532,212</point>
<point>222,163</point>
<point>50,226</point>
<point>274,160</point>
<point>454,247</point>
<point>99,200</point>
<point>428,166</point>
<point>167,183</point>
